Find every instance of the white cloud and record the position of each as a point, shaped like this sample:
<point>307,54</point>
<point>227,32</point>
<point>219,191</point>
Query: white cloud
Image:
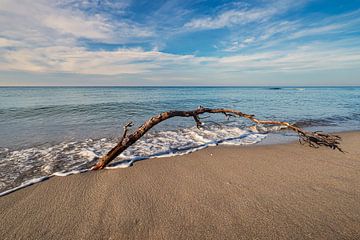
<point>230,18</point>
<point>78,26</point>
<point>236,45</point>
<point>43,23</point>
<point>80,60</point>
<point>137,61</point>
<point>316,31</point>
<point>280,33</point>
<point>40,37</point>
<point>249,40</point>
<point>303,59</point>
<point>243,14</point>
<point>40,17</point>
<point>8,42</point>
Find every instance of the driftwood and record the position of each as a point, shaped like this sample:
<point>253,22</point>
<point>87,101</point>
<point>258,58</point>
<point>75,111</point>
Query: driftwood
<point>313,139</point>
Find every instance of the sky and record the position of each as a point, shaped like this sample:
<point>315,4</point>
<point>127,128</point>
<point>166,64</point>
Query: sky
<point>179,42</point>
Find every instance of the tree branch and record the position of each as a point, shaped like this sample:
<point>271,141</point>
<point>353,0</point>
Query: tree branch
<point>126,128</point>
<point>313,139</point>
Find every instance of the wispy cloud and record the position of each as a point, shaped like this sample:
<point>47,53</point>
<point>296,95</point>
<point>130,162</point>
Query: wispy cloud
<point>230,18</point>
<point>55,37</point>
<point>8,43</point>
<point>43,22</point>
<point>135,61</point>
<point>281,33</point>
<point>241,14</point>
<point>83,61</point>
<point>302,58</point>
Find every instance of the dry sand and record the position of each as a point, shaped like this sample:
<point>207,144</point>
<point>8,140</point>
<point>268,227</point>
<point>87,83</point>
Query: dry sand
<point>283,191</point>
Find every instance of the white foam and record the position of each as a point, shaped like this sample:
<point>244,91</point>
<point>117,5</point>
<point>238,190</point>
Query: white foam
<point>64,174</point>
<point>88,154</point>
<point>185,141</point>
<point>38,163</point>
<point>40,179</point>
<point>24,184</point>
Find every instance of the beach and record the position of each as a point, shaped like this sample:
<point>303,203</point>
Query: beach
<point>283,191</point>
<point>50,130</point>
<point>179,120</point>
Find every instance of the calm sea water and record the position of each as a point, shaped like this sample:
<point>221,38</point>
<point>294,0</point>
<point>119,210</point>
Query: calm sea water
<point>49,129</point>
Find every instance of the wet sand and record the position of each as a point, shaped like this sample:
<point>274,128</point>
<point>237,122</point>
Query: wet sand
<point>285,191</point>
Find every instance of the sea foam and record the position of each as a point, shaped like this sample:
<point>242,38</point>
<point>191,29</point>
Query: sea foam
<point>25,167</point>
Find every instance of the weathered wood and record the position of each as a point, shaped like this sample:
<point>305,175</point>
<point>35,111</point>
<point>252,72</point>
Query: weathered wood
<point>313,139</point>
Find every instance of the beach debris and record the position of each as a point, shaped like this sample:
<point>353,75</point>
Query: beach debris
<point>313,139</point>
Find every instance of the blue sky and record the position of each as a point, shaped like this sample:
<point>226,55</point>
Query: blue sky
<point>179,42</point>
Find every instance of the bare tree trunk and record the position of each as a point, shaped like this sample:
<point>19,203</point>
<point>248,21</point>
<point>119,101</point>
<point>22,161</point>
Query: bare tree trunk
<point>314,139</point>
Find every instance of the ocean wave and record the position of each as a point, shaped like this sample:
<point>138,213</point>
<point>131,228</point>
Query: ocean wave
<point>22,167</point>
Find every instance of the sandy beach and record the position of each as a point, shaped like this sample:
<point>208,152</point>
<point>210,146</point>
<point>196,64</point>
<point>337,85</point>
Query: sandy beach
<point>285,191</point>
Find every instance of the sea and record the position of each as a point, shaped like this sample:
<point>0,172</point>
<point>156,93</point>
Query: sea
<point>56,131</point>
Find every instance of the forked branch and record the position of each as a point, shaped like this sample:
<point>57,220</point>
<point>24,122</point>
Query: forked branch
<point>313,139</point>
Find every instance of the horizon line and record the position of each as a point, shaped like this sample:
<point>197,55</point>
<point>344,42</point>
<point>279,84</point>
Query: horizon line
<point>169,86</point>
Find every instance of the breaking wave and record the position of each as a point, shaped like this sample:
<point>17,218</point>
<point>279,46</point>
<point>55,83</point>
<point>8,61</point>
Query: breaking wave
<point>19,168</point>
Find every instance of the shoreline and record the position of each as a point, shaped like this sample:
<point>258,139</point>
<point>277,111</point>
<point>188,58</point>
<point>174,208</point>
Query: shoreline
<point>272,138</point>
<point>222,192</point>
